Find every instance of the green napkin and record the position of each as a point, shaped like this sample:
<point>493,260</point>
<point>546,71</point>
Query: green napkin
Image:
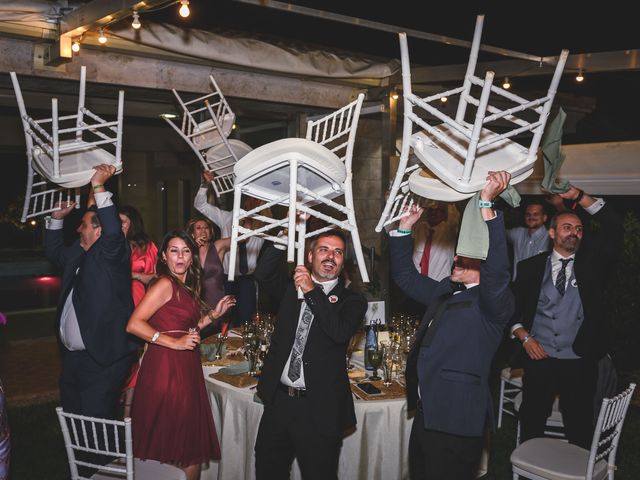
<point>237,369</point>
<point>209,350</point>
<point>473,240</point>
<point>552,154</point>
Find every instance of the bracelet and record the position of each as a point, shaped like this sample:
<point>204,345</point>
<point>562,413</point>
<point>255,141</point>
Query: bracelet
<point>155,337</point>
<point>526,338</point>
<point>404,232</point>
<point>100,185</point>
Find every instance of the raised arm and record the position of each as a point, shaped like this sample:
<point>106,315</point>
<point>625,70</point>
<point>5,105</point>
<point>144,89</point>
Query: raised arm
<point>112,243</point>
<point>55,250</point>
<point>218,216</point>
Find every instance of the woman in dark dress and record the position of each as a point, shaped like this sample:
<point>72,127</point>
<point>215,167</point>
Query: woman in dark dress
<point>171,416</point>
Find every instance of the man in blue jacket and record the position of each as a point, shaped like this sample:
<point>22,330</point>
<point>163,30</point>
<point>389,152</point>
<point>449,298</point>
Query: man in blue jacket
<point>94,306</point>
<point>448,366</point>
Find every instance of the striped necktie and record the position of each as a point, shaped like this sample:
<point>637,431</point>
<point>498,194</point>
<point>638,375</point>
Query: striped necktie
<point>561,279</point>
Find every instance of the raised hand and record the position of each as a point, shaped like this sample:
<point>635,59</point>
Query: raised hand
<point>497,182</point>
<point>302,279</point>
<point>208,176</point>
<point>411,216</point>
<point>223,306</point>
<point>102,174</point>
<point>64,210</point>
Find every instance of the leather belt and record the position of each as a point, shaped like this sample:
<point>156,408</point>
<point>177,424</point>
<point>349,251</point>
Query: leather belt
<point>293,391</point>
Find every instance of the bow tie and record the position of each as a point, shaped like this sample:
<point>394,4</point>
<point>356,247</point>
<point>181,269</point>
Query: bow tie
<point>458,287</point>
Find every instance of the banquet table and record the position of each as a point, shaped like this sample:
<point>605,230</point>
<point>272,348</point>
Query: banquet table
<point>376,450</point>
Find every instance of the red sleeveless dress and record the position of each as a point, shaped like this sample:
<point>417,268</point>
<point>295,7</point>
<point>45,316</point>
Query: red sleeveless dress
<point>171,415</point>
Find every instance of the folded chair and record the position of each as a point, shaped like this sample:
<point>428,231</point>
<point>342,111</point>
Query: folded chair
<point>207,122</point>
<point>109,438</point>
<point>553,459</point>
<point>306,175</point>
<point>62,151</point>
<point>458,153</point>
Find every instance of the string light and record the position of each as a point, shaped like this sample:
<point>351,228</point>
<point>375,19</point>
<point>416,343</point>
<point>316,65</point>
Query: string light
<point>184,8</point>
<point>580,77</point>
<point>444,99</point>
<point>102,38</point>
<point>75,46</point>
<point>506,84</point>
<point>394,95</point>
<point>136,21</point>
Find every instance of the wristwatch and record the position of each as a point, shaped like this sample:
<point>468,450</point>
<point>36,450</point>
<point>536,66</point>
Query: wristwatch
<point>485,203</point>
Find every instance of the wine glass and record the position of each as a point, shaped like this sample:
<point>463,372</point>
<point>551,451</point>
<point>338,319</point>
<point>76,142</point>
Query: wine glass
<point>375,359</point>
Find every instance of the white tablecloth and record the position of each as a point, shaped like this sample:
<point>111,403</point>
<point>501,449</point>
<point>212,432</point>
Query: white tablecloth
<point>377,450</point>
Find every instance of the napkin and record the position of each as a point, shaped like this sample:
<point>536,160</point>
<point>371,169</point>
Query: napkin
<point>552,154</point>
<point>237,369</point>
<point>473,241</point>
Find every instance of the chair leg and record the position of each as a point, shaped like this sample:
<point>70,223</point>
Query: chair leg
<point>233,249</point>
<point>293,196</point>
<point>501,404</point>
<point>353,227</point>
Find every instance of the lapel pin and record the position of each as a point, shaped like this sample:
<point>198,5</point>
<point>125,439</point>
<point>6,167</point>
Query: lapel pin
<point>333,298</point>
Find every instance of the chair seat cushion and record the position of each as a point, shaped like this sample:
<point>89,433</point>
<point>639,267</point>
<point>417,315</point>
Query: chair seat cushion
<point>211,135</point>
<point>144,470</point>
<point>448,165</point>
<point>556,460</point>
<point>77,159</point>
<point>264,172</point>
<point>221,161</point>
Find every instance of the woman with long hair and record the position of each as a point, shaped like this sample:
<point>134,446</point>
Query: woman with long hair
<point>143,251</point>
<point>211,253</point>
<point>172,420</point>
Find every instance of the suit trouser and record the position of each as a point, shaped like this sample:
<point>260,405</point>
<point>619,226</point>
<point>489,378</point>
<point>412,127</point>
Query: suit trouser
<point>88,388</point>
<point>244,288</point>
<point>575,383</point>
<point>442,456</point>
<point>287,431</point>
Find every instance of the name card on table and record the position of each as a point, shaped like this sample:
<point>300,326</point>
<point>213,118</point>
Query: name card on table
<point>375,313</point>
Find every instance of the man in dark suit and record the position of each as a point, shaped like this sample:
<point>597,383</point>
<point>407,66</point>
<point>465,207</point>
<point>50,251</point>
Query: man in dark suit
<point>95,305</point>
<point>560,318</point>
<point>449,363</point>
<point>304,385</point>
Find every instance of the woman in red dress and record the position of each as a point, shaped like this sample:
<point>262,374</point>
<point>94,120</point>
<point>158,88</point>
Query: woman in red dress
<point>171,415</point>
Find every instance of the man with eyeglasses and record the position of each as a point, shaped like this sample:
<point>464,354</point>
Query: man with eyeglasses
<point>560,318</point>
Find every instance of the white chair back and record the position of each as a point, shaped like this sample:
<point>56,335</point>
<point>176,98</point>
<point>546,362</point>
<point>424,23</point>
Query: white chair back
<point>96,437</point>
<point>207,122</point>
<point>608,429</point>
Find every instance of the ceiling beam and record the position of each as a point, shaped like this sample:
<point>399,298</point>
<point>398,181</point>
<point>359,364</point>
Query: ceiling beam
<point>363,22</point>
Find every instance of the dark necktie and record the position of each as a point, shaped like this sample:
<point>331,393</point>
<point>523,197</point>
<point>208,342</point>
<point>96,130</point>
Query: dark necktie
<point>561,279</point>
<point>243,262</point>
<point>295,365</point>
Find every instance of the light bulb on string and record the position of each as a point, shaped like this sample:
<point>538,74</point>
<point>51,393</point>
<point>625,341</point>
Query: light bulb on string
<point>506,84</point>
<point>580,77</point>
<point>102,38</point>
<point>444,99</point>
<point>75,46</point>
<point>184,8</point>
<point>136,21</point>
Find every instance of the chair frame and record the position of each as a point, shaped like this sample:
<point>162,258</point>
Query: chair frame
<point>45,197</point>
<point>610,421</point>
<point>400,198</point>
<point>507,396</point>
<point>214,106</point>
<point>328,131</point>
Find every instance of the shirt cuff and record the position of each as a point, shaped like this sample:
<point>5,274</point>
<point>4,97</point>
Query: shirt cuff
<point>103,199</point>
<point>514,328</point>
<point>396,233</point>
<point>51,223</point>
<point>595,206</point>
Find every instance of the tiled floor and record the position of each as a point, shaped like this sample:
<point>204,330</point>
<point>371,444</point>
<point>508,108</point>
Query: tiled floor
<point>29,370</point>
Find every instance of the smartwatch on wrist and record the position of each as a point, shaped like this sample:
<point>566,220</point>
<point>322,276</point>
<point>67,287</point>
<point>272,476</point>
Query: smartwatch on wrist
<point>485,203</point>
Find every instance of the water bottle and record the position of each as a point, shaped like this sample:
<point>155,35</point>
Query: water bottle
<point>370,344</point>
